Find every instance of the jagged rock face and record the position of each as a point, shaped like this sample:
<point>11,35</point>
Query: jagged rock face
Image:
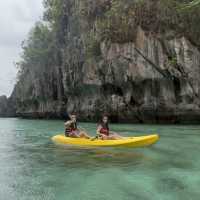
<point>137,81</point>
<point>134,82</point>
<point>153,79</point>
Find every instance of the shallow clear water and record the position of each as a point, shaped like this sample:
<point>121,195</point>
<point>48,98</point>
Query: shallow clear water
<point>33,168</point>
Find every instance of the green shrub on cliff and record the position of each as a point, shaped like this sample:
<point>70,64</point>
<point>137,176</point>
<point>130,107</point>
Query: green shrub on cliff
<point>192,4</point>
<point>40,49</point>
<point>36,49</point>
<point>113,20</point>
<point>38,45</point>
<point>120,22</point>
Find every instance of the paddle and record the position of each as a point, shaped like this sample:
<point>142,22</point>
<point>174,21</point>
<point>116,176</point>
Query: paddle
<point>94,138</point>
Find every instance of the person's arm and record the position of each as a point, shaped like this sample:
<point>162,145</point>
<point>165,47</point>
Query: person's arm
<point>68,123</point>
<point>76,135</point>
<point>81,128</point>
<point>98,129</point>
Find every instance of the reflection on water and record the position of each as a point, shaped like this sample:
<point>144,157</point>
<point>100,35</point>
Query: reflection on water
<point>33,168</point>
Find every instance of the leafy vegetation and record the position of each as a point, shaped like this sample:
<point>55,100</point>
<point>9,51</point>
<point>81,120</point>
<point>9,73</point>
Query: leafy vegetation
<point>120,22</point>
<point>192,4</point>
<point>41,48</point>
<point>92,21</point>
<point>36,49</point>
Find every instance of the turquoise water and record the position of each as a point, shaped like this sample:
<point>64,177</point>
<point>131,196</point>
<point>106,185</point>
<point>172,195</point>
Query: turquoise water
<point>33,168</point>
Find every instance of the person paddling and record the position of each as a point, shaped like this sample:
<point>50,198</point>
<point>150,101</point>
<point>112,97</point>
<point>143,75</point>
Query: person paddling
<point>72,130</point>
<point>104,132</point>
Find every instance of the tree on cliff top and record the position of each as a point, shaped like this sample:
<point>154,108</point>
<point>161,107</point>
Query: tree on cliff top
<point>36,49</point>
<point>114,20</point>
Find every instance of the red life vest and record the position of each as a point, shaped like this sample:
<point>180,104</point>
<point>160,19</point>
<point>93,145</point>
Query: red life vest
<point>104,130</point>
<point>71,128</point>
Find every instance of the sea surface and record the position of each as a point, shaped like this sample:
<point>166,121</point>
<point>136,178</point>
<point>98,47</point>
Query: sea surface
<point>33,168</point>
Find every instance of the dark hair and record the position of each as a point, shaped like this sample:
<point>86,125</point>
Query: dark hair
<point>69,114</point>
<point>72,113</point>
<point>102,123</point>
<point>105,115</point>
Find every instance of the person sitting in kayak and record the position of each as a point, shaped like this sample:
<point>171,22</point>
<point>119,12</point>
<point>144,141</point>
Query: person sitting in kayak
<point>104,132</point>
<point>72,130</point>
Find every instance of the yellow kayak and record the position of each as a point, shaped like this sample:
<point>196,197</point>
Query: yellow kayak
<point>140,141</point>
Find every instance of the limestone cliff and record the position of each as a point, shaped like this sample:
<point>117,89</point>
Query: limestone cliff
<point>145,71</point>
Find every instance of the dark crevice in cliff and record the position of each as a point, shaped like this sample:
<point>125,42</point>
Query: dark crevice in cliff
<point>109,89</point>
<point>177,89</point>
<point>164,73</point>
<point>184,75</point>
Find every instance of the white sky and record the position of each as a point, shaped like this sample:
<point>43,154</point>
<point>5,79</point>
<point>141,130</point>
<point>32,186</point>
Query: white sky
<point>17,17</point>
